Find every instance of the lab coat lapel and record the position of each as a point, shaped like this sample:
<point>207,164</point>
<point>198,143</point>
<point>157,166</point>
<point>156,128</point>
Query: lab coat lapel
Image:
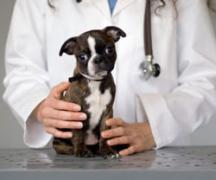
<point>102,6</point>
<point>120,5</point>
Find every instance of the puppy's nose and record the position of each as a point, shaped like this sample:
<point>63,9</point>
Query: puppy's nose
<point>97,60</point>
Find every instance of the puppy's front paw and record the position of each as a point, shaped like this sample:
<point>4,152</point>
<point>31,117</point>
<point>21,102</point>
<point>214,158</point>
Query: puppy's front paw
<point>87,153</point>
<point>84,153</point>
<point>110,155</point>
<point>108,152</point>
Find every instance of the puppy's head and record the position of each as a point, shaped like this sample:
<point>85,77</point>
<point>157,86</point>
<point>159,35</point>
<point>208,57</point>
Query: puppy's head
<point>95,51</point>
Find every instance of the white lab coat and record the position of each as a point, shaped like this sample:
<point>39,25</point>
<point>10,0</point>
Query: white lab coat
<point>175,104</point>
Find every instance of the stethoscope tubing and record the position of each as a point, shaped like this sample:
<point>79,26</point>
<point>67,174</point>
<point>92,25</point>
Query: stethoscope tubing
<point>152,69</point>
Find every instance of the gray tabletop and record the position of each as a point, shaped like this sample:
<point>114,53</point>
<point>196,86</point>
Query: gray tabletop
<point>169,163</point>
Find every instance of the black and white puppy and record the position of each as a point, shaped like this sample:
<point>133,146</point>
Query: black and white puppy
<point>93,88</point>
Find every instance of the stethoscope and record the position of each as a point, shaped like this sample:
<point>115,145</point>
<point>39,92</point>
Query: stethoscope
<point>148,67</point>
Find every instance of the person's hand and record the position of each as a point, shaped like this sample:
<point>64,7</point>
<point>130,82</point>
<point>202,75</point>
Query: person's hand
<point>56,114</point>
<point>137,136</point>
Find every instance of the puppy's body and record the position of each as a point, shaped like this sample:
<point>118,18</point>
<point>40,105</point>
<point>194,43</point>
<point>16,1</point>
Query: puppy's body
<point>96,99</point>
<point>93,88</point>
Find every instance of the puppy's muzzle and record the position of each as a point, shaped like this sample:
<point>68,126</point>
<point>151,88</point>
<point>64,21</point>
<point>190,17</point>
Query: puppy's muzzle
<point>103,65</point>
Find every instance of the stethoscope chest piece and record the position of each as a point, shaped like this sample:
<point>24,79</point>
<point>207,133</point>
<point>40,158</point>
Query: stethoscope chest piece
<point>156,70</point>
<point>148,69</point>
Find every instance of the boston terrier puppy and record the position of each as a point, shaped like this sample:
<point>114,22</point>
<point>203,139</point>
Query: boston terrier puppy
<point>93,88</point>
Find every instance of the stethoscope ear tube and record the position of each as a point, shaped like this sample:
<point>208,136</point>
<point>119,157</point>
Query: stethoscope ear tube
<point>149,69</point>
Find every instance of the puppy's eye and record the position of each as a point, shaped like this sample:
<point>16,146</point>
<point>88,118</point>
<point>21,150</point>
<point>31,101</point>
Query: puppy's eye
<point>83,57</point>
<point>109,50</point>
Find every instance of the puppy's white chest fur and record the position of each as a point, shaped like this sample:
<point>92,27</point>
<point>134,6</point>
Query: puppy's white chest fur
<point>97,105</point>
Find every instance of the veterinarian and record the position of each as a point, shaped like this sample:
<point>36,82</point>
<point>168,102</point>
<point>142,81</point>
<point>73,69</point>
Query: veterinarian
<point>154,113</point>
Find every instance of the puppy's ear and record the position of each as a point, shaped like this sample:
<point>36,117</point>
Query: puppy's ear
<point>69,46</point>
<point>114,32</point>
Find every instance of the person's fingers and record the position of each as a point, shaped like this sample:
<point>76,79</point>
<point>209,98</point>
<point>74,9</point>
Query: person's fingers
<point>64,115</point>
<point>63,105</point>
<point>128,151</point>
<point>63,124</point>
<point>57,91</point>
<point>57,133</point>
<point>115,122</point>
<point>119,131</point>
<point>119,141</point>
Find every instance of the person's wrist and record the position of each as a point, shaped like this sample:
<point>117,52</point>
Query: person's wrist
<point>37,111</point>
<point>150,134</point>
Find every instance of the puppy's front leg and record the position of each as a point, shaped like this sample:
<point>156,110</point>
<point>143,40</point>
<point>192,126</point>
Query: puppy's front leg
<point>105,150</point>
<point>78,140</point>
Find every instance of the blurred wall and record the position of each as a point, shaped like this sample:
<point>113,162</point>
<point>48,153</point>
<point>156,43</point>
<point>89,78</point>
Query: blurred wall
<point>10,130</point>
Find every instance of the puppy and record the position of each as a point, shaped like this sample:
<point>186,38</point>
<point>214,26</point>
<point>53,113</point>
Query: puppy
<point>93,88</point>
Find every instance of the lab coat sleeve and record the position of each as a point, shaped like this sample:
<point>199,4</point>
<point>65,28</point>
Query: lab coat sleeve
<point>27,81</point>
<point>192,103</point>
